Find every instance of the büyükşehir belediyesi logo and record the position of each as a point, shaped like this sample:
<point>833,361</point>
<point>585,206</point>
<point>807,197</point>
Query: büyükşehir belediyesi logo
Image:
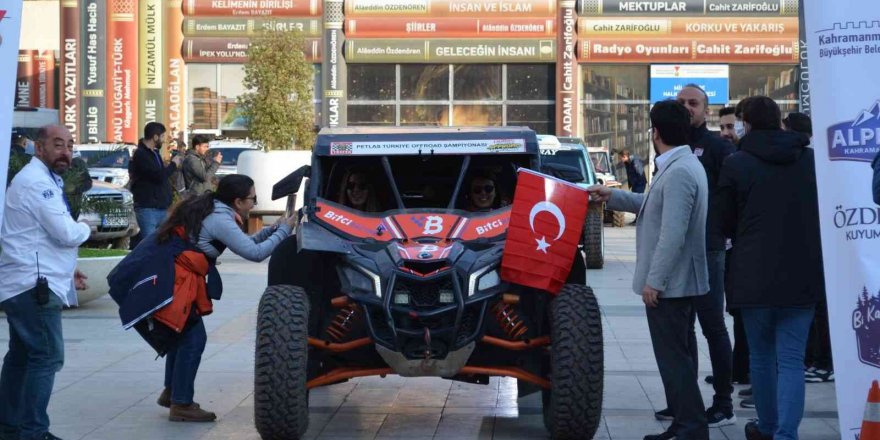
<point>866,323</point>
<point>858,139</point>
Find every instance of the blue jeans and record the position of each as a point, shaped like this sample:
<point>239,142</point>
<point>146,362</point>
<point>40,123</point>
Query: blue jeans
<point>777,341</point>
<point>709,308</point>
<point>182,363</point>
<point>148,220</point>
<point>36,353</point>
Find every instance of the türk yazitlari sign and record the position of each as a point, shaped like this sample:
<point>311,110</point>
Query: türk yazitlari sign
<point>370,50</point>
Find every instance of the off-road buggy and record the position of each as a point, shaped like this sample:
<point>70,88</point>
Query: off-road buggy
<point>414,289</point>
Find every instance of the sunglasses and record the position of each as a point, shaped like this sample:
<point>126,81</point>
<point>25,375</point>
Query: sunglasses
<point>488,189</point>
<point>355,185</point>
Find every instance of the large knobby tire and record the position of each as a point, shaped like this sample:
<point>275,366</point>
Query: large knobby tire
<point>594,237</point>
<point>573,405</point>
<point>281,402</point>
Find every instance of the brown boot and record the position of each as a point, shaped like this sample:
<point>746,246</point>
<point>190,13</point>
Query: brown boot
<point>165,398</point>
<point>190,413</point>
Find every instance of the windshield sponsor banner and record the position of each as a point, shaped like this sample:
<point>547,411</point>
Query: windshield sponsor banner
<point>481,146</point>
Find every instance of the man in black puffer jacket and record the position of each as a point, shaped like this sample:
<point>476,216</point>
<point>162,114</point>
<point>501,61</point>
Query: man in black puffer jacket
<point>769,206</point>
<point>150,184</point>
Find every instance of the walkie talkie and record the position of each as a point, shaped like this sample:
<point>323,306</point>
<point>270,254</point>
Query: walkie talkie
<point>41,290</point>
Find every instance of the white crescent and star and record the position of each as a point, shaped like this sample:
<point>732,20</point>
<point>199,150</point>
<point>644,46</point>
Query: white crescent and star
<point>554,210</point>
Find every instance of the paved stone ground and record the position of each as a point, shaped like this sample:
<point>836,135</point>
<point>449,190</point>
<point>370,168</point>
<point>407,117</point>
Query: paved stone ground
<point>111,379</point>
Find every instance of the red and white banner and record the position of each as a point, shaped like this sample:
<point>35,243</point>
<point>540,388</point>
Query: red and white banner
<point>545,227</point>
<point>10,30</point>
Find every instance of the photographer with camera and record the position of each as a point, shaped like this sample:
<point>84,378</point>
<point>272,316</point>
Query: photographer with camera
<point>38,267</point>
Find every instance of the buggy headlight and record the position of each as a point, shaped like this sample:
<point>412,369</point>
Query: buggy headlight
<point>364,281</point>
<point>483,279</point>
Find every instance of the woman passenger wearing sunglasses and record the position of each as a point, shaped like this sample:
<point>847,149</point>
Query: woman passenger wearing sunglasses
<point>482,193</point>
<point>358,192</point>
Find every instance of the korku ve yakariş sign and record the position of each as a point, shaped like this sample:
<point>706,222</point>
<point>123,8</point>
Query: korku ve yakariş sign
<point>689,7</point>
<point>371,50</point>
<point>750,27</point>
<point>486,146</point>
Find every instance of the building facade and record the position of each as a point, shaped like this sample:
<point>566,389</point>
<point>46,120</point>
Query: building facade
<point>590,68</point>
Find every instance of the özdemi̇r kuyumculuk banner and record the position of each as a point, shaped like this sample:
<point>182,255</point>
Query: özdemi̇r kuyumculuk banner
<point>844,55</point>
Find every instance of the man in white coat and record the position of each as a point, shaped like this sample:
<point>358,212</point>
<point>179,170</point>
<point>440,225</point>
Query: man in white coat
<point>671,261</point>
<point>38,267</point>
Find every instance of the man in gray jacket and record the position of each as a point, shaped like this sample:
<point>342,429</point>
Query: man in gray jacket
<point>671,261</point>
<point>198,170</point>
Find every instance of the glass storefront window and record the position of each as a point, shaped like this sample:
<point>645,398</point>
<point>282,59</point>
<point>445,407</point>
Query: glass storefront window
<point>477,82</point>
<point>540,118</point>
<point>202,81</point>
<point>231,81</point>
<point>424,82</point>
<point>616,110</point>
<point>531,82</point>
<point>371,82</point>
<point>477,115</point>
<point>203,115</point>
<point>480,94</point>
<point>370,115</point>
<point>423,114</point>
<point>777,82</point>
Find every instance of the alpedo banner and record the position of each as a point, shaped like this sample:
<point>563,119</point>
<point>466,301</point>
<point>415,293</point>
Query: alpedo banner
<point>10,29</point>
<point>844,55</point>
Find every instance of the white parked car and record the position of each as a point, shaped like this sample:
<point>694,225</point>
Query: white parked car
<point>107,162</point>
<point>115,223</point>
<point>230,149</point>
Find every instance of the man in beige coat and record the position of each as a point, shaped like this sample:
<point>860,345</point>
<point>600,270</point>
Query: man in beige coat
<point>671,261</point>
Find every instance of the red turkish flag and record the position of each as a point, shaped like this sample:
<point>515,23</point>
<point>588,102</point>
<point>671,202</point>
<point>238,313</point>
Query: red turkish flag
<point>545,228</point>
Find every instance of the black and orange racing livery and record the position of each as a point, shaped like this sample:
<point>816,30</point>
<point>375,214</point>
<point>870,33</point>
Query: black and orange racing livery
<point>413,288</point>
